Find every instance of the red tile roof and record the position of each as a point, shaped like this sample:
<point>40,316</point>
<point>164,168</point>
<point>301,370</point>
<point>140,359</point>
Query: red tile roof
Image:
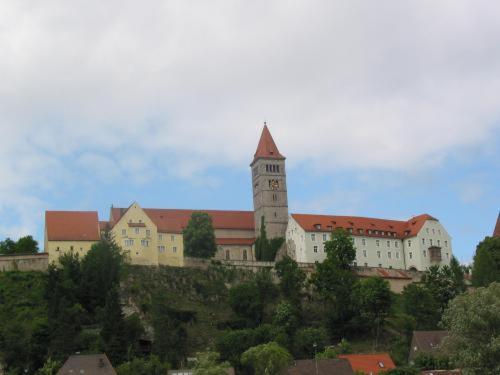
<point>325,223</point>
<point>72,225</point>
<point>174,220</point>
<point>234,241</point>
<point>496,231</point>
<point>370,363</point>
<point>96,364</point>
<point>266,147</point>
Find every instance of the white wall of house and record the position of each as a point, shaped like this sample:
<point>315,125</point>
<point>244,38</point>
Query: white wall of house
<point>384,251</point>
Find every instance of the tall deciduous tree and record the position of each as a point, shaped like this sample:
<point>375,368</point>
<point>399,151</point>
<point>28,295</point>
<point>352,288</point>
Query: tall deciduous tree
<point>267,359</point>
<point>199,236</point>
<point>418,302</point>
<point>245,300</point>
<point>473,323</point>
<point>486,268</point>
<point>335,280</point>
<point>113,330</point>
<point>101,271</point>
<point>7,247</point>
<point>444,283</point>
<point>292,279</point>
<point>26,245</point>
<point>374,299</point>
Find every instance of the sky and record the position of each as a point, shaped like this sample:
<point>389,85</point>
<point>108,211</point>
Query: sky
<point>383,109</point>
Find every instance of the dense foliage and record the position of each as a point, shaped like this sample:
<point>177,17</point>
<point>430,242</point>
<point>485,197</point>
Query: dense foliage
<point>24,245</point>
<point>199,236</point>
<point>150,319</point>
<point>473,322</point>
<point>486,268</point>
<point>266,249</point>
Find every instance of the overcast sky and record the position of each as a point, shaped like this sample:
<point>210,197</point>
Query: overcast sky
<point>385,109</point>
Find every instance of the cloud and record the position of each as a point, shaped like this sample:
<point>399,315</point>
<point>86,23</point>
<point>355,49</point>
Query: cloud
<point>186,85</point>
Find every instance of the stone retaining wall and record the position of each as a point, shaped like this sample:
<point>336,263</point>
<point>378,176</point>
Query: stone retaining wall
<point>27,262</point>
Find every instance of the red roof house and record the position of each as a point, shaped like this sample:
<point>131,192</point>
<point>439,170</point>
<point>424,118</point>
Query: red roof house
<point>370,364</point>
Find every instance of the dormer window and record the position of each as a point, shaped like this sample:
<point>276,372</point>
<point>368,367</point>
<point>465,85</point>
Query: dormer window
<point>360,231</point>
<point>329,227</point>
<point>317,226</point>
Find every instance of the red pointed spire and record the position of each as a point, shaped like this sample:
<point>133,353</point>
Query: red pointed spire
<point>496,232</point>
<point>267,148</point>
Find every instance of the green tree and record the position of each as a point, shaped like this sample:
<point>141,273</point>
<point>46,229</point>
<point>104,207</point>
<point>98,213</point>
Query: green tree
<point>171,347</point>
<point>26,245</point>
<point>473,322</point>
<point>199,236</point>
<point>335,281</point>
<point>418,302</point>
<point>292,280</point>
<point>308,341</point>
<point>444,283</point>
<point>486,267</point>
<point>245,300</point>
<point>101,271</point>
<point>286,317</point>
<point>425,361</point>
<point>232,343</point>
<point>7,247</point>
<point>208,364</point>
<point>113,330</point>
<point>374,298</point>
<point>458,274</point>
<point>267,359</point>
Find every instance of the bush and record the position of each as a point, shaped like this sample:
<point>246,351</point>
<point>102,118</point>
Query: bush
<point>308,341</point>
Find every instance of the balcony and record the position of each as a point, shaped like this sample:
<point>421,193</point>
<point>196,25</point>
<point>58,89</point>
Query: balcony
<point>435,254</point>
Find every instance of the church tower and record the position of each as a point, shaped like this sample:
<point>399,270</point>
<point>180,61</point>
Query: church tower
<point>269,187</point>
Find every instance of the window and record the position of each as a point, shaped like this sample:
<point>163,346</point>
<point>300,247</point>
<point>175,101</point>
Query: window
<point>174,249</point>
<point>409,243</point>
<point>313,237</point>
<point>160,237</point>
<point>366,264</point>
<point>315,248</point>
<point>136,230</point>
<point>423,241</point>
<point>363,242</point>
<point>425,253</point>
<point>349,230</point>
<point>227,255</point>
<point>57,248</point>
<point>397,254</point>
<point>172,238</point>
<point>124,232</point>
<point>245,256</point>
<point>145,243</point>
<point>380,265</point>
<point>71,248</point>
<point>446,243</point>
<point>378,254</point>
<point>360,231</point>
<point>382,233</point>
<point>439,242</point>
<point>148,233</point>
<point>161,249</point>
<point>448,255</point>
<point>388,243</point>
<point>364,253</point>
<point>355,264</point>
<point>430,241</point>
<point>433,232</point>
<point>377,242</point>
<point>376,232</point>
<point>396,244</point>
<point>410,254</point>
<point>324,237</point>
<point>369,231</point>
<point>389,255</point>
<point>427,230</point>
<point>129,242</point>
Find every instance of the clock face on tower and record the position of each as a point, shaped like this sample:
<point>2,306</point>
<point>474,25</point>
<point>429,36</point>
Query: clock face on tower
<point>275,184</point>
